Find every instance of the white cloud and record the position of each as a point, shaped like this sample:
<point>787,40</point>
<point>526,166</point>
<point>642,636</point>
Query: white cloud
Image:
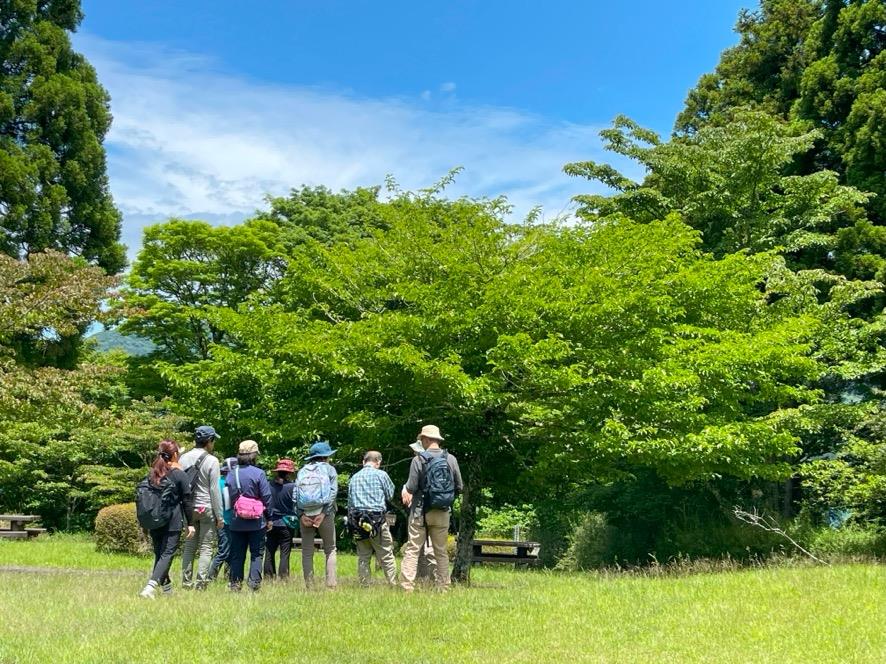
<point>190,141</point>
<point>447,87</point>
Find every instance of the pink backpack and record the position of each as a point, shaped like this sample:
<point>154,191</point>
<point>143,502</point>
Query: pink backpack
<point>246,507</point>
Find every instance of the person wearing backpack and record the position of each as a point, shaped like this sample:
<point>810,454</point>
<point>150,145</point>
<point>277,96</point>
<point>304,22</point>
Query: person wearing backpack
<point>202,468</point>
<point>251,498</point>
<point>283,520</point>
<point>223,555</point>
<point>163,501</point>
<point>427,564</point>
<point>369,491</point>
<point>434,481</point>
<point>316,488</point>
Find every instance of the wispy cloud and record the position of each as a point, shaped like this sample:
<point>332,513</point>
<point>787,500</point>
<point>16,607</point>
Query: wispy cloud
<point>188,140</point>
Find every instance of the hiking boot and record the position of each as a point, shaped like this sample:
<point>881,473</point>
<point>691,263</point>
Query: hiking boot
<point>150,590</point>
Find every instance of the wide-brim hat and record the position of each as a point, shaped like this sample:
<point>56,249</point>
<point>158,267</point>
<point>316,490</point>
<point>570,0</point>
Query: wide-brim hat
<point>248,447</point>
<point>320,449</point>
<point>285,465</point>
<point>430,431</point>
<point>417,447</point>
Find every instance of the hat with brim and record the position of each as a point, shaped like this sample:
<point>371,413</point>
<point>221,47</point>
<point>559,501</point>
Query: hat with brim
<point>417,447</point>
<point>430,431</point>
<point>248,447</point>
<point>319,450</point>
<point>284,465</point>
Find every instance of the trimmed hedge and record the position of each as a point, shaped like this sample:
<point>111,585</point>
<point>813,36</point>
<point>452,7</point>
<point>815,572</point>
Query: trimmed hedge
<point>117,531</point>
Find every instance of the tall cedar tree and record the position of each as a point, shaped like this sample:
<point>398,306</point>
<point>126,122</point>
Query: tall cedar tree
<point>53,118</point>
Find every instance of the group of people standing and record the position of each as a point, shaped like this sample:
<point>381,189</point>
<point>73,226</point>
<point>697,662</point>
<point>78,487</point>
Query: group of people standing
<point>234,503</point>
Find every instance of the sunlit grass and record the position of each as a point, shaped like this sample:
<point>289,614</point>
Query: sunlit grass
<point>808,614</point>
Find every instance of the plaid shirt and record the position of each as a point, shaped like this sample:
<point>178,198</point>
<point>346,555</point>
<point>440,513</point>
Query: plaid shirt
<point>369,488</point>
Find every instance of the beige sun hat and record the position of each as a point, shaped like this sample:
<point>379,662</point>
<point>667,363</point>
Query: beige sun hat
<point>431,431</point>
<point>248,447</point>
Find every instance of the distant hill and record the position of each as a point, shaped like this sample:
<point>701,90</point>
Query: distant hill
<point>109,339</point>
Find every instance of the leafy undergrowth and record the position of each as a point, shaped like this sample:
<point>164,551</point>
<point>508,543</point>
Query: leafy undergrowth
<point>810,614</point>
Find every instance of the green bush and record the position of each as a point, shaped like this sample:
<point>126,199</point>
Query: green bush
<point>500,523</point>
<point>850,541</point>
<point>590,544</point>
<point>117,531</point>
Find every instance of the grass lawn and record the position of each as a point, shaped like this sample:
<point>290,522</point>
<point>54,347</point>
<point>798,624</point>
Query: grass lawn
<point>803,614</point>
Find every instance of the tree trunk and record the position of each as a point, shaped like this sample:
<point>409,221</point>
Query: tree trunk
<point>467,524</point>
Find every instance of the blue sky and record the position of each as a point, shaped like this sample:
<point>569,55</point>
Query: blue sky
<point>218,103</point>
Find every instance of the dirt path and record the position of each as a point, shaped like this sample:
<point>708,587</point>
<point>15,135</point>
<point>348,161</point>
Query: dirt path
<point>19,569</point>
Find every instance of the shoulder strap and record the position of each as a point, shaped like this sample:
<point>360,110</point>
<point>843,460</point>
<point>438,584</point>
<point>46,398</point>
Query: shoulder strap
<point>237,475</point>
<point>200,462</point>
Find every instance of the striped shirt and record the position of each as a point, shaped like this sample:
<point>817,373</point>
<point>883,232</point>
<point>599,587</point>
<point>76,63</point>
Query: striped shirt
<point>369,489</point>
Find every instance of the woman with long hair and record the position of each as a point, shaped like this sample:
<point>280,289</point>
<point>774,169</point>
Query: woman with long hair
<point>167,474</point>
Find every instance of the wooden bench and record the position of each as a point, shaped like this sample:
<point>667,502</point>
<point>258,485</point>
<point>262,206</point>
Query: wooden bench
<point>524,553</point>
<point>296,543</point>
<point>18,528</point>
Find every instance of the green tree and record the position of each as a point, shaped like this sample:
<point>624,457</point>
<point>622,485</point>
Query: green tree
<point>551,356</point>
<point>821,62</point>
<point>53,118</point>
<point>71,440</point>
<point>732,181</point>
<point>185,269</point>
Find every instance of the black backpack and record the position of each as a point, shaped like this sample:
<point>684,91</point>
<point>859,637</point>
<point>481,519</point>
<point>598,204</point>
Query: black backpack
<point>155,505</point>
<point>193,472</point>
<point>438,483</point>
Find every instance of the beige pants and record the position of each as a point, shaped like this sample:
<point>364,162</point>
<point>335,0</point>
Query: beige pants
<point>383,547</point>
<point>427,564</point>
<point>326,532</point>
<point>437,529</point>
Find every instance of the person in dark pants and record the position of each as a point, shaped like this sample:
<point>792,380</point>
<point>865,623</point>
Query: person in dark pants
<point>166,469</point>
<point>251,498</point>
<point>223,555</point>
<point>282,515</point>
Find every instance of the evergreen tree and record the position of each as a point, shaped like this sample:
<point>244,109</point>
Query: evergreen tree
<point>53,118</point>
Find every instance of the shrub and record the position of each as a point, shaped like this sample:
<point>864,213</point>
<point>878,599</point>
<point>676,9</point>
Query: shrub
<point>500,523</point>
<point>849,541</point>
<point>117,531</point>
<point>590,544</point>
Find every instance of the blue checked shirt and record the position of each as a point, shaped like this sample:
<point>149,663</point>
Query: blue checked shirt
<point>369,489</point>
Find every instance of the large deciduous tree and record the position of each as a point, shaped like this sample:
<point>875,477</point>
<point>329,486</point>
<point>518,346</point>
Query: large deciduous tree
<point>185,269</point>
<point>53,118</point>
<point>550,356</point>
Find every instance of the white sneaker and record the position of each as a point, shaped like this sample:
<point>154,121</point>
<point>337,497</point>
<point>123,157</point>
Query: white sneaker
<point>150,591</point>
<point>167,589</point>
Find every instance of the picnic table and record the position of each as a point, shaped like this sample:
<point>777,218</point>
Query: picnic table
<point>18,526</point>
<point>296,543</point>
<point>523,552</point>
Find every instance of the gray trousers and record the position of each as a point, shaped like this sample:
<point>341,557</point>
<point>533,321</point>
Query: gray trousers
<point>326,532</point>
<point>383,547</point>
<point>203,539</point>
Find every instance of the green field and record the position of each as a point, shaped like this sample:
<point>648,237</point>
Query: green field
<point>782,614</point>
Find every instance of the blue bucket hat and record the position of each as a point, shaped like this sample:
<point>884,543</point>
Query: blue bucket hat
<point>320,449</point>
